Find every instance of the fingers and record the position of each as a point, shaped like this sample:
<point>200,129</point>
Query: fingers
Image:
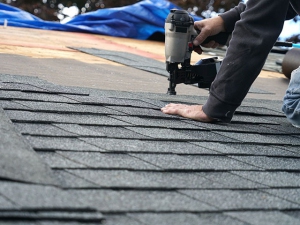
<point>205,30</point>
<point>208,27</point>
<point>211,44</point>
<point>173,108</point>
<point>194,112</point>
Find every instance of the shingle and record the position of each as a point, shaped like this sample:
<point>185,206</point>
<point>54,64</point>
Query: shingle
<point>79,130</point>
<point>18,95</point>
<point>246,149</point>
<point>269,104</point>
<point>270,163</point>
<point>239,199</point>
<point>20,87</point>
<point>271,179</point>
<point>5,204</point>
<point>262,150</point>
<point>277,121</point>
<point>35,197</point>
<point>266,218</point>
<point>295,214</point>
<point>185,218</point>
<point>22,79</point>
<point>141,201</point>
<point>25,116</point>
<point>252,119</point>
<point>147,146</point>
<point>110,93</point>
<point>142,179</point>
<point>285,139</point>
<point>154,122</point>
<point>111,144</point>
<point>60,143</point>
<point>133,111</point>
<point>18,161</point>
<point>55,160</point>
<point>96,110</point>
<point>294,149</point>
<point>111,161</point>
<point>219,148</point>
<point>100,100</point>
<point>68,180</point>
<point>220,218</point>
<point>259,111</point>
<point>208,136</point>
<point>129,59</point>
<point>34,84</point>
<point>59,89</point>
<point>161,133</point>
<point>282,129</point>
<point>195,162</point>
<point>231,180</point>
<point>154,101</point>
<point>250,138</point>
<point>8,104</point>
<point>225,126</point>
<point>58,107</point>
<point>167,218</point>
<point>42,130</point>
<point>49,106</point>
<point>261,129</point>
<point>115,132</point>
<point>290,194</point>
<point>120,219</point>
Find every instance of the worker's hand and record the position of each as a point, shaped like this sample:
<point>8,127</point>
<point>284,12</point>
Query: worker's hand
<point>208,27</point>
<point>194,112</point>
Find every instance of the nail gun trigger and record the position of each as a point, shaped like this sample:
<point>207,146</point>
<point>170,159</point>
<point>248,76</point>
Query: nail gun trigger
<point>190,46</point>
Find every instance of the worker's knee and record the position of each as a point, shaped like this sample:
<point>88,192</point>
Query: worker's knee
<point>291,101</point>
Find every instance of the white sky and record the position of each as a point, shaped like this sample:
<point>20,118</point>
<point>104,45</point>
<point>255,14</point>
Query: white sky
<point>290,28</point>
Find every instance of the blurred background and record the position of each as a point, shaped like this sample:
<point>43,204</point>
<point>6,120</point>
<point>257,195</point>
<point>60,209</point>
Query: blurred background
<point>65,10</point>
<point>60,10</point>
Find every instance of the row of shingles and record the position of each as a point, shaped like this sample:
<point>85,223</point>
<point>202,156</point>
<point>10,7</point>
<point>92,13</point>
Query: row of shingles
<point>142,122</point>
<point>13,88</point>
<point>243,194</point>
<point>272,179</point>
<point>135,202</point>
<point>46,130</point>
<point>240,194</point>
<point>144,131</point>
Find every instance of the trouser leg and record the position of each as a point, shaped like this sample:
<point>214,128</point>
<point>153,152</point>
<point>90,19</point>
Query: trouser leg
<point>291,100</point>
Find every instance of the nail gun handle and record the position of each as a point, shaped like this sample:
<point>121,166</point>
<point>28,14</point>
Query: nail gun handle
<point>220,38</point>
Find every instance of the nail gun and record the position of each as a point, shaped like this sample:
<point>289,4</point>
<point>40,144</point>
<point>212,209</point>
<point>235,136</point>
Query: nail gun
<point>179,36</point>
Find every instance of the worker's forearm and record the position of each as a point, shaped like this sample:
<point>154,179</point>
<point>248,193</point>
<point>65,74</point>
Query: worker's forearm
<point>232,16</point>
<point>253,37</point>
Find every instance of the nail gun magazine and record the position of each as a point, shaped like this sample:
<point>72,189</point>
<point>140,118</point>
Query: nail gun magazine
<point>179,36</point>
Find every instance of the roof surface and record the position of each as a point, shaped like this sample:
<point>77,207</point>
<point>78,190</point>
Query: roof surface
<point>78,155</point>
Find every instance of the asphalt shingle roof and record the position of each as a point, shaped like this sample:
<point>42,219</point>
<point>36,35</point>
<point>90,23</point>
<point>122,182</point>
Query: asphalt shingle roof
<point>82,156</point>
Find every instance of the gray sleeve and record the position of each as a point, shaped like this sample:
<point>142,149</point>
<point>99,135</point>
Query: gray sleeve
<point>252,39</point>
<point>230,17</point>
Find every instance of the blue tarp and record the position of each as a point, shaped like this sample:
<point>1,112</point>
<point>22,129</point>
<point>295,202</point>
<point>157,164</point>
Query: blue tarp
<point>139,20</point>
